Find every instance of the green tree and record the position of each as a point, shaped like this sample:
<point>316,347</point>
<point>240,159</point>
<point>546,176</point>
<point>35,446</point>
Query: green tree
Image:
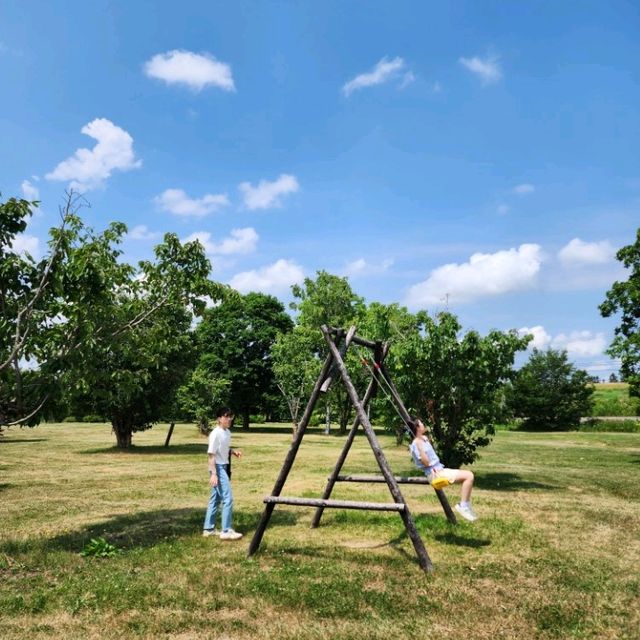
<point>624,298</point>
<point>234,341</point>
<point>200,394</point>
<point>94,328</point>
<point>549,393</point>
<point>296,367</point>
<point>455,382</point>
<point>330,300</point>
<point>135,348</point>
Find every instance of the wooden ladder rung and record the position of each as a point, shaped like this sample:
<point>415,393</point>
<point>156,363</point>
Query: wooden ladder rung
<point>336,504</point>
<point>399,479</point>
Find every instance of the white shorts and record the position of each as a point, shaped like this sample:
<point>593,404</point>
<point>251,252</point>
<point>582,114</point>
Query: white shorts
<point>450,474</point>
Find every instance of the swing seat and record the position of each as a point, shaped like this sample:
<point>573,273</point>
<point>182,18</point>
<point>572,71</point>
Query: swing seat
<point>440,483</point>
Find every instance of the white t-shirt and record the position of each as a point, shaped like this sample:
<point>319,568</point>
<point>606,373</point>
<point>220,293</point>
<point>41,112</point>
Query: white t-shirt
<point>220,444</point>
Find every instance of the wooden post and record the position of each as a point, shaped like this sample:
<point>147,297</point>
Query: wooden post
<point>171,426</point>
<point>418,545</point>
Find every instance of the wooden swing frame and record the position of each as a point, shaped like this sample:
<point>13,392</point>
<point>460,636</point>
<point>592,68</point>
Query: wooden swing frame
<point>338,342</point>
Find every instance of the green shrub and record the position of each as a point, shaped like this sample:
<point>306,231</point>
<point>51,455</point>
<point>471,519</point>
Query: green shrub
<point>99,548</point>
<point>71,419</point>
<point>93,418</point>
<point>612,426</point>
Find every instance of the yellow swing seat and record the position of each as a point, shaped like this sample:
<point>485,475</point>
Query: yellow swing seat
<point>440,483</point>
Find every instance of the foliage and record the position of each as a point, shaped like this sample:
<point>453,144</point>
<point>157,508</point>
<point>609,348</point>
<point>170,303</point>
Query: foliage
<point>549,393</point>
<point>109,337</point>
<point>234,343</point>
<point>99,548</point>
<point>614,400</point>
<point>455,382</point>
<point>200,394</point>
<point>296,367</point>
<point>624,298</point>
<point>329,300</point>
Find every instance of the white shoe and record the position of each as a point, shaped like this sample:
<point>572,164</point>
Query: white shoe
<point>230,534</point>
<point>466,512</point>
<point>210,532</point>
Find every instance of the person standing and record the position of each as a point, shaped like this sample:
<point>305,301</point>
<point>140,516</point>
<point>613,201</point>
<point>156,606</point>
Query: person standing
<point>219,454</point>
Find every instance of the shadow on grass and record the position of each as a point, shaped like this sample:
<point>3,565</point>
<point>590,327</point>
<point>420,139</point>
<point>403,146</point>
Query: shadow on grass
<point>508,482</point>
<point>21,440</point>
<point>5,485</point>
<point>177,449</point>
<point>142,530</point>
<point>461,541</point>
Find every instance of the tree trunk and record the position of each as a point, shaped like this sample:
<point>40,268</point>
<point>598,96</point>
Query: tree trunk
<point>123,433</point>
<point>245,419</point>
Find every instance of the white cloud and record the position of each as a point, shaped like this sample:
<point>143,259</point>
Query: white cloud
<point>89,168</point>
<point>24,243</point>
<point>578,252</point>
<point>177,202</point>
<point>384,71</point>
<point>578,344</point>
<point>581,343</point>
<point>488,70</point>
<point>362,267</point>
<point>541,339</point>
<point>268,194</point>
<point>192,69</point>
<point>524,189</point>
<point>29,191</point>
<point>274,278</point>
<point>486,274</point>
<point>142,232</point>
<point>242,241</point>
<point>407,79</point>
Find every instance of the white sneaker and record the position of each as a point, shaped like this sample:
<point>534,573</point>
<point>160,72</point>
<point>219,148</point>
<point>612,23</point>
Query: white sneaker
<point>466,512</point>
<point>230,534</point>
<point>210,532</point>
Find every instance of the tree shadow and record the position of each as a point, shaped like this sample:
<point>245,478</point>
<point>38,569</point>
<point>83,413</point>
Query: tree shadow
<point>176,449</point>
<point>142,530</point>
<point>5,440</point>
<point>501,481</point>
<point>461,541</point>
<point>5,485</point>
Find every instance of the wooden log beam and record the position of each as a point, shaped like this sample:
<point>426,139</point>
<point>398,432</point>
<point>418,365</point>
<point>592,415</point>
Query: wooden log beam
<point>363,342</point>
<point>373,479</point>
<point>335,504</point>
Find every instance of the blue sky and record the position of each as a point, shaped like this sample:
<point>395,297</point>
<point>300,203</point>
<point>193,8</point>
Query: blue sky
<point>475,156</point>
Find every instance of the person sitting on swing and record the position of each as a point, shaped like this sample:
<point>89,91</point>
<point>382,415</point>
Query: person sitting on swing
<point>426,459</point>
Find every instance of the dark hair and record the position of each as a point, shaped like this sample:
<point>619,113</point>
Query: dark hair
<point>224,411</point>
<point>413,424</point>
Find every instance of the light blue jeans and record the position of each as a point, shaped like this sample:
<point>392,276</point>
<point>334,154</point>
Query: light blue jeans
<point>221,493</point>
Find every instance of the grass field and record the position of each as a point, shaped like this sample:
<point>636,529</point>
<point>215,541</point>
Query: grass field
<point>555,553</point>
<point>612,399</point>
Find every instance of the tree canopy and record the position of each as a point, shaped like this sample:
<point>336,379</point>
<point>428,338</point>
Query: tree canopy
<point>95,329</point>
<point>234,343</point>
<point>549,393</point>
<point>624,298</point>
<point>454,382</point>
